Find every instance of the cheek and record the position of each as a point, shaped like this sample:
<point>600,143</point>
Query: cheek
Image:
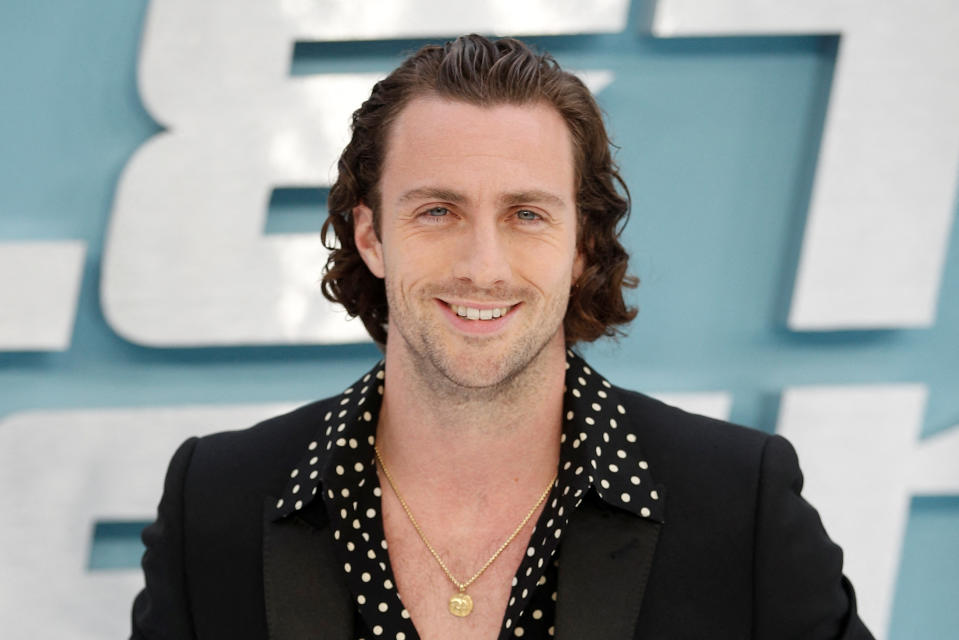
<point>550,258</point>
<point>551,276</point>
<point>408,267</point>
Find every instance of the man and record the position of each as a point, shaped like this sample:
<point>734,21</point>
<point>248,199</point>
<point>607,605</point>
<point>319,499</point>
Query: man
<point>483,481</point>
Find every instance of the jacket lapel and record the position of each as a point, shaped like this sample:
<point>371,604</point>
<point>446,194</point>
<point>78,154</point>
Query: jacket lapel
<point>605,561</point>
<point>305,595</point>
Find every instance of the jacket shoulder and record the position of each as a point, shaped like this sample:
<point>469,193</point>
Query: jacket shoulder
<point>708,469</point>
<point>271,435</point>
<point>677,435</point>
<point>252,462</point>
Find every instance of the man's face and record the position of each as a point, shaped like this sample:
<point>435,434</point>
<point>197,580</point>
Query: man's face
<point>477,237</point>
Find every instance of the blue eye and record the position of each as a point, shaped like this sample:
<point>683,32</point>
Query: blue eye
<point>527,215</point>
<point>437,212</point>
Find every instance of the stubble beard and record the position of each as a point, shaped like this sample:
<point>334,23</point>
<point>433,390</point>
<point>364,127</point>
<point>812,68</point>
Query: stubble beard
<point>473,376</point>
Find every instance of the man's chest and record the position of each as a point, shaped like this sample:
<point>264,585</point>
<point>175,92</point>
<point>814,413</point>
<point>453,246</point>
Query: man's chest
<point>426,590</point>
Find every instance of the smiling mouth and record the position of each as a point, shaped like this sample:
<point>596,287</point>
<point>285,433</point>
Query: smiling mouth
<point>472,313</point>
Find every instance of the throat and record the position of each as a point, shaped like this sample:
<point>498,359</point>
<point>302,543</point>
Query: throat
<point>467,444</point>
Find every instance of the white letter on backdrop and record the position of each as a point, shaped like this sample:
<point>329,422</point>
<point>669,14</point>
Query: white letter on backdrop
<point>885,187</point>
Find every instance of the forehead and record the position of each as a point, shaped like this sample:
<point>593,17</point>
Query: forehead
<point>482,149</point>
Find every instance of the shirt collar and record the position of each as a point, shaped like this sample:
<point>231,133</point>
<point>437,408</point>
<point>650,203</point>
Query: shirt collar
<point>601,437</point>
<point>349,423</point>
<point>599,443</point>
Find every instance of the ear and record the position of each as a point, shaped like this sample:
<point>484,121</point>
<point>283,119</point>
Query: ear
<point>579,263</point>
<point>367,242</point>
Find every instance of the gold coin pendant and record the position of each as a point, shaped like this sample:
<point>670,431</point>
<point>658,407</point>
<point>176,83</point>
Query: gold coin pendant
<point>461,604</point>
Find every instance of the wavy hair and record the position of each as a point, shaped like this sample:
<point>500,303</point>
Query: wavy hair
<point>485,72</point>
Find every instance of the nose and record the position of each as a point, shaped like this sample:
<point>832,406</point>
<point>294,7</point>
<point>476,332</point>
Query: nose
<point>482,257</point>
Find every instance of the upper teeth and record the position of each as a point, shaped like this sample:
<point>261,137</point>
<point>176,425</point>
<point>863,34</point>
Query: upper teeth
<point>479,314</point>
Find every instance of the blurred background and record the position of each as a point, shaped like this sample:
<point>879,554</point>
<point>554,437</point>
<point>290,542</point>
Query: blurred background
<point>164,166</point>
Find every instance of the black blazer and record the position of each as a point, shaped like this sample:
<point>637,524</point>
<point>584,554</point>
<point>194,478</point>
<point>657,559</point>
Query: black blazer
<point>740,555</point>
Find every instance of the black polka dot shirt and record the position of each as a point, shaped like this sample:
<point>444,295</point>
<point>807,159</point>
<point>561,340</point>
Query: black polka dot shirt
<point>598,452</point>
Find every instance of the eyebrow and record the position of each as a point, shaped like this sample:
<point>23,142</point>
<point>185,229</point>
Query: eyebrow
<point>433,193</point>
<point>533,196</point>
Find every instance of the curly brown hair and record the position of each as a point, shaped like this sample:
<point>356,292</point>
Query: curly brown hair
<point>485,72</point>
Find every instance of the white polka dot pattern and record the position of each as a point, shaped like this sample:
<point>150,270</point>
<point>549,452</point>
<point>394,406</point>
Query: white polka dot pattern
<point>598,453</point>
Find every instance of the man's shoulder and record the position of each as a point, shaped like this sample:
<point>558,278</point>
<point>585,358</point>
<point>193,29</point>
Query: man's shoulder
<point>678,439</point>
<point>261,454</point>
<point>668,420</point>
<point>293,427</point>
<point>709,470</point>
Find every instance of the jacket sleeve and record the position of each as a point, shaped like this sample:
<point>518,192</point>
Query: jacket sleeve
<point>162,609</point>
<point>800,591</point>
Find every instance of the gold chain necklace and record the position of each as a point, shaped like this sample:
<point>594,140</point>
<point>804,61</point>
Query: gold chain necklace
<point>460,604</point>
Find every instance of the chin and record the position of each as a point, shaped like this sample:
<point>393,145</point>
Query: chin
<point>488,366</point>
<point>473,371</point>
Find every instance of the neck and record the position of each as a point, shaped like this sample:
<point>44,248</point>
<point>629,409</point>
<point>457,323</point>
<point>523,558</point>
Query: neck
<point>435,434</point>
